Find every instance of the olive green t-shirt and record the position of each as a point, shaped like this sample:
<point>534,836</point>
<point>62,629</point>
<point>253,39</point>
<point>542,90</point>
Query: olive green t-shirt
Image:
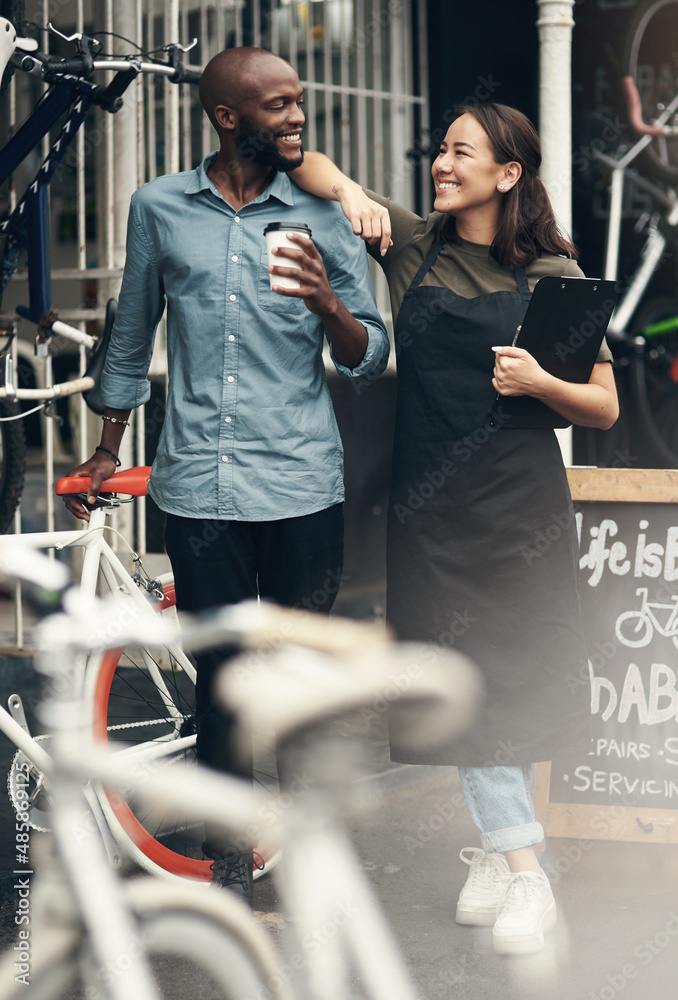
<point>466,268</point>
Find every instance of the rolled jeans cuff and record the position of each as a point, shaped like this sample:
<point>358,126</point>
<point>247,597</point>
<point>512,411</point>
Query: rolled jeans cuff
<point>512,838</point>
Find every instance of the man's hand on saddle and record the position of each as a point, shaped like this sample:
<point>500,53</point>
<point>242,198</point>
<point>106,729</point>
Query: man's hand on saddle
<point>98,468</point>
<point>516,373</point>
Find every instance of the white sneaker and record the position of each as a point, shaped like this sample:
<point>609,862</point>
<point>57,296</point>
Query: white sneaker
<point>527,910</point>
<point>484,888</point>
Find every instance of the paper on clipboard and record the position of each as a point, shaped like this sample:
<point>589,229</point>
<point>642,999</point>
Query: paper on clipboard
<point>563,329</point>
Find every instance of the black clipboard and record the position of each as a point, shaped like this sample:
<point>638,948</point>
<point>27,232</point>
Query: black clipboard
<point>563,329</point>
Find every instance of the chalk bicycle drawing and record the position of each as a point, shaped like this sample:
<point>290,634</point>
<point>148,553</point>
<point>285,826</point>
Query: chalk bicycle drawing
<point>637,628</point>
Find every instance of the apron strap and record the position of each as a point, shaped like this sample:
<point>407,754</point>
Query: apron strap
<point>519,272</point>
<point>428,263</point>
<point>523,287</point>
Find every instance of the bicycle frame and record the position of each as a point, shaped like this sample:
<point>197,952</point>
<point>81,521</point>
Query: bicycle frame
<point>99,559</point>
<point>76,889</point>
<point>655,245</point>
<point>71,95</point>
<point>29,222</point>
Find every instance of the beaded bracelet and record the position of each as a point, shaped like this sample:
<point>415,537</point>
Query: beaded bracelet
<point>108,451</point>
<point>114,420</point>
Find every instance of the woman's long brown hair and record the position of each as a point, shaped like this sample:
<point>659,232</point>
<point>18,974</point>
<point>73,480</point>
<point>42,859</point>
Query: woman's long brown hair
<point>528,226</point>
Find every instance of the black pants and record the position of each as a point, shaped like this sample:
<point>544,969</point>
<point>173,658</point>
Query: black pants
<point>296,562</point>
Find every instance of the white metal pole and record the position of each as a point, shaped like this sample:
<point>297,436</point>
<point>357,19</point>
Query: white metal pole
<point>172,139</point>
<point>555,23</point>
<point>123,170</point>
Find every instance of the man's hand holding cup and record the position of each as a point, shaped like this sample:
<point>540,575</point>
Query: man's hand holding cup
<point>296,268</point>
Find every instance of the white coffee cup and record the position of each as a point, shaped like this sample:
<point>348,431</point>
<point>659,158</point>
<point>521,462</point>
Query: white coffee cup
<point>276,236</point>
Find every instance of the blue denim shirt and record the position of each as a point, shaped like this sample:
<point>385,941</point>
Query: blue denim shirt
<point>249,432</point>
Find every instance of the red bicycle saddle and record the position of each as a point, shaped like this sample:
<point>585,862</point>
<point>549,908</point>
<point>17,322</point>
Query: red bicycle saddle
<point>132,482</point>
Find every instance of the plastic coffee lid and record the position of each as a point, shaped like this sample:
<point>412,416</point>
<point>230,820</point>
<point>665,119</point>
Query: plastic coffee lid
<point>275,227</point>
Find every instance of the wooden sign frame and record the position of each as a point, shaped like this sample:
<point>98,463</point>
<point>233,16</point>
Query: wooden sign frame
<point>610,822</point>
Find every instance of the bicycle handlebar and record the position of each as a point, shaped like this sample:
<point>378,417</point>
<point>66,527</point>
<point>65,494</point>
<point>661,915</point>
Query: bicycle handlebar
<point>635,110</point>
<point>82,66</point>
<point>70,388</point>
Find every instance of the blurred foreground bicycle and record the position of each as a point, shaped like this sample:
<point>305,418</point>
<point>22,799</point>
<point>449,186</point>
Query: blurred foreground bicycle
<point>91,932</point>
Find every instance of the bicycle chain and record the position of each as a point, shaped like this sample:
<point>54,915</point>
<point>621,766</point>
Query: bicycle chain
<point>144,722</point>
<point>36,774</point>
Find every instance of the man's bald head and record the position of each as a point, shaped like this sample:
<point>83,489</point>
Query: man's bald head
<point>234,76</point>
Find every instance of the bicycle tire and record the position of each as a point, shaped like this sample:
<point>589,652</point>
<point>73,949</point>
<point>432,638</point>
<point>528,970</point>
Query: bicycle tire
<point>648,55</point>
<point>169,851</point>
<point>654,393</point>
<point>230,955</point>
<point>12,463</point>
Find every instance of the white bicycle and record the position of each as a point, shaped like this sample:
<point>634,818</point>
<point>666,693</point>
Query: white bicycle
<point>133,695</point>
<point>86,929</point>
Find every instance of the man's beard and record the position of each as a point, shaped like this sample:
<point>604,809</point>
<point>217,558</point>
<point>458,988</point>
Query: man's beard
<point>259,146</point>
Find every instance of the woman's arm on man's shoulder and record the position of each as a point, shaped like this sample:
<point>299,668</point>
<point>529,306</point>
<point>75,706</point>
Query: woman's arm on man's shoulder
<point>320,177</point>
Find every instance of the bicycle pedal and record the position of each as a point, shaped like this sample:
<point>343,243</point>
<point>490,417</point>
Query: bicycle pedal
<point>16,710</point>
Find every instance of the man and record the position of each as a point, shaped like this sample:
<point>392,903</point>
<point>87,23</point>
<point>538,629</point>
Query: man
<point>249,465</point>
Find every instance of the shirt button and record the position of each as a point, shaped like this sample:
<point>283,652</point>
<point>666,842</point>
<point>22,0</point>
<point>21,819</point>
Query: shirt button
<point>237,218</point>
<point>234,257</point>
<point>224,458</point>
<point>231,337</point>
<point>231,379</point>
<point>227,420</point>
<point>232,298</point>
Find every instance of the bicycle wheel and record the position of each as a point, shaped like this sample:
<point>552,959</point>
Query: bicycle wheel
<point>12,463</point>
<point>654,382</point>
<point>131,707</point>
<point>633,629</point>
<point>648,54</point>
<point>199,944</point>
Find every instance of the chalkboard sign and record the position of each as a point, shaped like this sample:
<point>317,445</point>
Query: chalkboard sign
<point>625,787</point>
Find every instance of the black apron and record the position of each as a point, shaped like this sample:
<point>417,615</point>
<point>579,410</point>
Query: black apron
<point>482,545</point>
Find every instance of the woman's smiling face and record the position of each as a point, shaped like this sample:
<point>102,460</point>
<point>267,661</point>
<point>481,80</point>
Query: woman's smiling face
<point>466,174</point>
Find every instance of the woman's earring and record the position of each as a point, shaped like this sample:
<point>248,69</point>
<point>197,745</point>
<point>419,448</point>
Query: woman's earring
<point>501,187</point>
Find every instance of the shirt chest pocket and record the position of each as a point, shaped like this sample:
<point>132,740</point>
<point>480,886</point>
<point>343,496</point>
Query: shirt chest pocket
<point>285,305</point>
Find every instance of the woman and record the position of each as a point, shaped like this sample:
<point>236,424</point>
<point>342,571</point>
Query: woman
<point>470,500</point>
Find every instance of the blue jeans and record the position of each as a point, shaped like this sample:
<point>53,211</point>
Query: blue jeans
<point>501,806</point>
